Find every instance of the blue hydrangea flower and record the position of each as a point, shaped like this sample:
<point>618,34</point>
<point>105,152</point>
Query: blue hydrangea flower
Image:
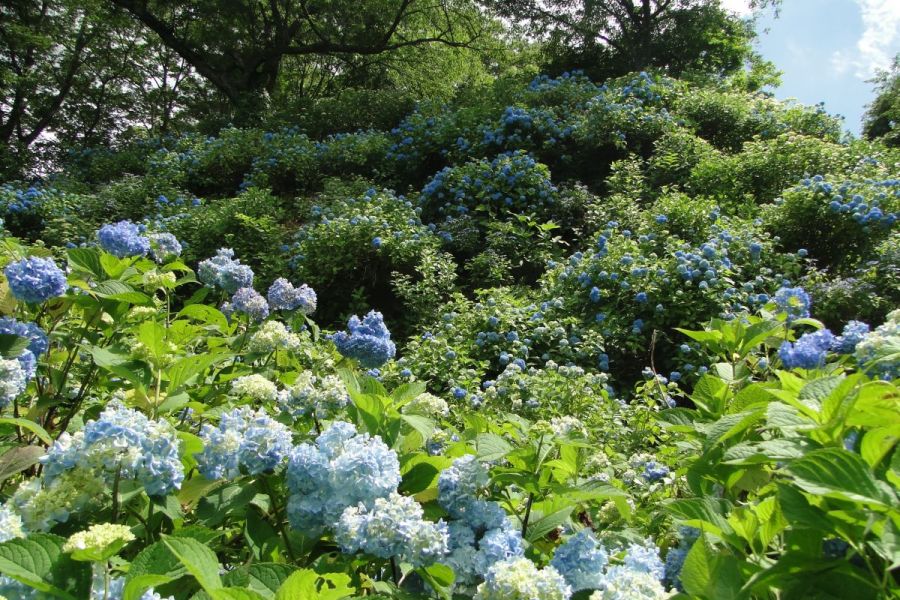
<point>581,561</point>
<point>394,527</point>
<point>165,247</point>
<point>675,557</point>
<point>342,469</point>
<point>809,352</point>
<point>245,441</point>
<point>125,441</point>
<point>35,279</point>
<point>879,351</point>
<point>225,272</point>
<point>284,296</point>
<point>793,301</point>
<point>37,339</point>
<point>369,340</point>
<point>654,471</point>
<point>853,334</point>
<point>645,558</point>
<point>250,302</point>
<point>459,484</point>
<point>123,239</point>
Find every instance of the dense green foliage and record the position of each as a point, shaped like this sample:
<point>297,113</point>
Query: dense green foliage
<point>599,361</point>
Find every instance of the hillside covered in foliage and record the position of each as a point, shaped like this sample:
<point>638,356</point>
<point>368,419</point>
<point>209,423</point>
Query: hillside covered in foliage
<point>626,330</point>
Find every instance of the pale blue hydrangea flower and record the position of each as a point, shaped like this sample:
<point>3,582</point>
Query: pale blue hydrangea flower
<point>342,469</point>
<point>879,350</point>
<point>459,483</point>
<point>581,560</point>
<point>311,394</point>
<point>853,333</point>
<point>165,247</point>
<point>369,340</point>
<point>793,301</point>
<point>245,441</point>
<point>122,440</point>
<point>520,579</point>
<point>35,279</point>
<point>250,302</point>
<point>284,296</point>
<point>14,590</point>
<point>123,239</point>
<point>37,339</point>
<point>13,381</point>
<point>623,583</point>
<point>645,558</point>
<point>225,272</point>
<point>10,524</point>
<point>393,527</point>
<point>809,352</point>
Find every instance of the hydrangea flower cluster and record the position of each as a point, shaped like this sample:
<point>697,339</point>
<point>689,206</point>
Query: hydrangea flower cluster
<point>225,272</point>
<point>37,339</point>
<point>427,405</point>
<point>809,352</point>
<point>628,584</point>
<point>394,527</point>
<point>854,332</point>
<point>793,301</point>
<point>255,387</point>
<point>272,336</point>
<point>284,296</point>
<point>879,351</point>
<point>124,239</point>
<point>246,441</point>
<point>581,561</point>
<point>121,441</point>
<point>675,557</point>
<point>42,504</point>
<point>520,579</point>
<point>369,340</point>
<point>310,394</point>
<point>13,381</point>
<point>250,302</point>
<point>344,468</point>
<point>480,533</point>
<point>164,247</point>
<point>35,279</point>
<point>10,524</point>
<point>99,538</point>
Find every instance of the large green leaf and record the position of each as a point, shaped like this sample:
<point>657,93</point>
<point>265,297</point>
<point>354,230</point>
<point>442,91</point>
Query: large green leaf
<point>263,578</point>
<point>30,425</point>
<point>17,459</point>
<point>39,562</point>
<point>200,561</point>
<point>837,473</point>
<point>710,575</point>
<point>12,345</point>
<point>310,585</point>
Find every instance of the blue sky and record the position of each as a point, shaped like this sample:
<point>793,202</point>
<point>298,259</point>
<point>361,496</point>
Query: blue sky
<point>827,49</point>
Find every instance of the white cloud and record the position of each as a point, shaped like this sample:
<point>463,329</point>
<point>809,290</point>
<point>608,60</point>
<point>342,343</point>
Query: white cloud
<point>879,42</point>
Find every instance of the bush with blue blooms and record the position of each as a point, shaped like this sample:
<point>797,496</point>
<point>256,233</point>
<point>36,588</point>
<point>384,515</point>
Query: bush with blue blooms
<point>124,239</point>
<point>283,295</point>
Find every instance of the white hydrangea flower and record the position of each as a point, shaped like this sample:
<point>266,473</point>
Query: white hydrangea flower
<point>274,335</point>
<point>10,524</point>
<point>520,579</point>
<point>255,387</point>
<point>427,405</point>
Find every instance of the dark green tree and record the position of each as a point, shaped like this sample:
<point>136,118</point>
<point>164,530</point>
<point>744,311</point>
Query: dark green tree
<point>882,118</point>
<point>607,38</point>
<point>240,46</point>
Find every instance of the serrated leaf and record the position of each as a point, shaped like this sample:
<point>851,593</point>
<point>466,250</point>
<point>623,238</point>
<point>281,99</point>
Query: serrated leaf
<point>491,447</point>
<point>263,578</point>
<point>39,562</point>
<point>30,425</point>
<point>205,314</point>
<point>836,473</point>
<point>86,259</point>
<point>200,561</point>
<point>310,585</point>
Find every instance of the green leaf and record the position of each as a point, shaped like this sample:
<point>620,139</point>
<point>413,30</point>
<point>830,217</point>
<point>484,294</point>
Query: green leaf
<point>407,392</point>
<point>39,562</point>
<point>707,514</point>
<point>440,578</point>
<point>205,314</point>
<point>491,446</point>
<point>541,527</point>
<point>17,459</point>
<point>878,442</point>
<point>235,594</point>
<point>117,290</point>
<point>423,425</point>
<point>836,473</point>
<point>186,368</point>
<point>200,561</point>
<point>153,566</point>
<point>30,425</point>
<point>86,259</point>
<point>711,576</point>
<point>418,479</point>
<point>310,585</point>
<point>262,578</point>
<point>12,345</point>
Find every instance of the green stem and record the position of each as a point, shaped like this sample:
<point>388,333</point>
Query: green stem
<point>279,521</point>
